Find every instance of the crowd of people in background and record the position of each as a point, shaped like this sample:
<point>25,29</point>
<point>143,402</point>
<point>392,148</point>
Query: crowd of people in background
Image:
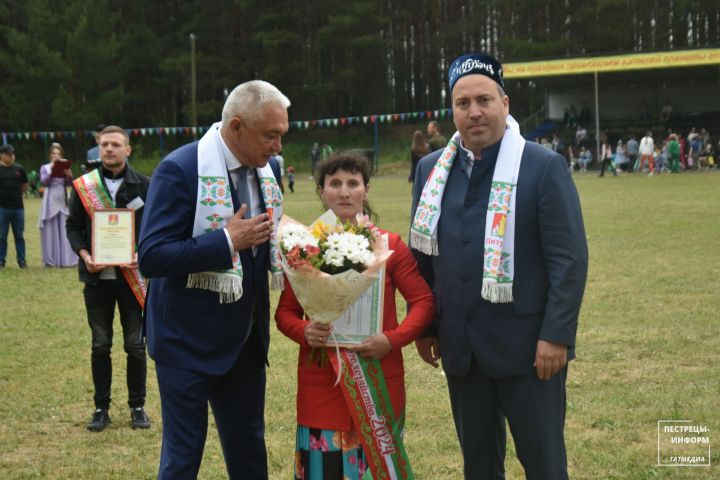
<point>671,152</point>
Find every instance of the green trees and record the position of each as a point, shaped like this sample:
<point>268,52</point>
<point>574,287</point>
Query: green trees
<point>59,65</point>
<point>69,65</point>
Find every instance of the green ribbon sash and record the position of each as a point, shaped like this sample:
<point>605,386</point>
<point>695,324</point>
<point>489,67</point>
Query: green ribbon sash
<point>367,397</point>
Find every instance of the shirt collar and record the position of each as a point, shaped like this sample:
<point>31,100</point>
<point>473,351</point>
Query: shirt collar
<point>231,161</point>
<point>469,155</point>
<point>488,153</point>
<point>111,176</point>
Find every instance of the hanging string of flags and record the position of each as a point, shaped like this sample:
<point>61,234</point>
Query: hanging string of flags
<point>371,119</point>
<point>390,118</point>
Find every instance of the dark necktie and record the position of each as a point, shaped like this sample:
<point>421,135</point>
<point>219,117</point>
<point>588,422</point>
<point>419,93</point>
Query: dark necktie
<point>242,189</point>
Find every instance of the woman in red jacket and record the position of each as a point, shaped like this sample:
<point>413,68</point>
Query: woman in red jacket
<point>326,438</point>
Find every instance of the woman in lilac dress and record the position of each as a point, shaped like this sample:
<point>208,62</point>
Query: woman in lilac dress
<point>56,251</point>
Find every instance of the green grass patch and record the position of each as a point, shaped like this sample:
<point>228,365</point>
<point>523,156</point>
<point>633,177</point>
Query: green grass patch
<point>648,349</point>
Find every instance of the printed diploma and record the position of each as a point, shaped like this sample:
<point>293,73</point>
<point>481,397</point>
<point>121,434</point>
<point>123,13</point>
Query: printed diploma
<point>364,317</point>
<point>113,236</point>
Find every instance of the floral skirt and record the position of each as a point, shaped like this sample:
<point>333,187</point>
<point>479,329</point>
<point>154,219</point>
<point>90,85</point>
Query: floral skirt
<point>328,455</point>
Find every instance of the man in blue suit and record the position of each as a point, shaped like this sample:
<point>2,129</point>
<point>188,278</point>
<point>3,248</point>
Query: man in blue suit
<point>207,244</point>
<point>498,231</point>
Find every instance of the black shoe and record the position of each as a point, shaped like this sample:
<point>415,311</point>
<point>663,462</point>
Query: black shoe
<point>22,265</point>
<point>100,420</point>
<point>139,418</point>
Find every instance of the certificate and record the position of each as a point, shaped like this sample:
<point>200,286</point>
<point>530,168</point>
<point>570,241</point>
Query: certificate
<point>364,317</point>
<point>113,236</point>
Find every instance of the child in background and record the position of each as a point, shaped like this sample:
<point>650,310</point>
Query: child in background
<point>707,157</point>
<point>584,159</point>
<point>291,178</point>
<point>660,159</point>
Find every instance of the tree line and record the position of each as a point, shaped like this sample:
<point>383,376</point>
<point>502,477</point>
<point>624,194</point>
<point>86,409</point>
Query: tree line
<point>72,64</point>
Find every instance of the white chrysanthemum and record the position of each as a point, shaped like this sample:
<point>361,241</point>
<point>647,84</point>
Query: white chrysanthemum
<point>297,235</point>
<point>294,228</point>
<point>350,246</point>
<point>362,257</point>
<point>334,258</point>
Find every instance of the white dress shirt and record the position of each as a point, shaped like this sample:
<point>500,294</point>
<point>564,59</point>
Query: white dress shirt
<point>469,160</point>
<point>233,166</point>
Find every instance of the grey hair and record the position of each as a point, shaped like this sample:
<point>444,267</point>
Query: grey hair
<point>247,99</point>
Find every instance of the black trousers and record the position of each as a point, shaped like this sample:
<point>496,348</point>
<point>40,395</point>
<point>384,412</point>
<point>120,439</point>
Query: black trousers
<point>631,163</point>
<point>535,411</point>
<point>605,164</point>
<point>100,301</point>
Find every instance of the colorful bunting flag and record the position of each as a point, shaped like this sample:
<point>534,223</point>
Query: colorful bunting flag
<point>300,124</point>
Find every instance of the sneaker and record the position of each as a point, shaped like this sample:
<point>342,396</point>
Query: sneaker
<point>22,265</point>
<point>139,418</point>
<point>100,420</point>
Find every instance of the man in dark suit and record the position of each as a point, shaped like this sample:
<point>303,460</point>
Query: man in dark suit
<point>113,185</point>
<point>506,324</point>
<point>206,249</point>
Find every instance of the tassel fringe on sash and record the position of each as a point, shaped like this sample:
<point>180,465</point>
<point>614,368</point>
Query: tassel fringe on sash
<point>228,286</point>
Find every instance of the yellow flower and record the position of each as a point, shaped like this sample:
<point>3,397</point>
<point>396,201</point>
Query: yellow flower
<point>319,229</point>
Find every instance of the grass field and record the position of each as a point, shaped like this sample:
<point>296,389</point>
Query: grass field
<point>648,349</point>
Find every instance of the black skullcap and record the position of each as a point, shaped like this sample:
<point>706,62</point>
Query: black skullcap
<point>475,63</point>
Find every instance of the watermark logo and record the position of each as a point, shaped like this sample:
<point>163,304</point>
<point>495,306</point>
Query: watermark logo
<point>683,443</point>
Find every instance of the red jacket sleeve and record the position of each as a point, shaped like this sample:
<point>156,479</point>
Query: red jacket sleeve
<point>290,316</point>
<point>406,277</point>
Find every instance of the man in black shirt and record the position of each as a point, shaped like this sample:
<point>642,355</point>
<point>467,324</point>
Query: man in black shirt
<point>13,183</point>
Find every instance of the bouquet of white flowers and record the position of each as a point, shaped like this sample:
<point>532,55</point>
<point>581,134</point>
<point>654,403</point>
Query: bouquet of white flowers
<point>328,264</point>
